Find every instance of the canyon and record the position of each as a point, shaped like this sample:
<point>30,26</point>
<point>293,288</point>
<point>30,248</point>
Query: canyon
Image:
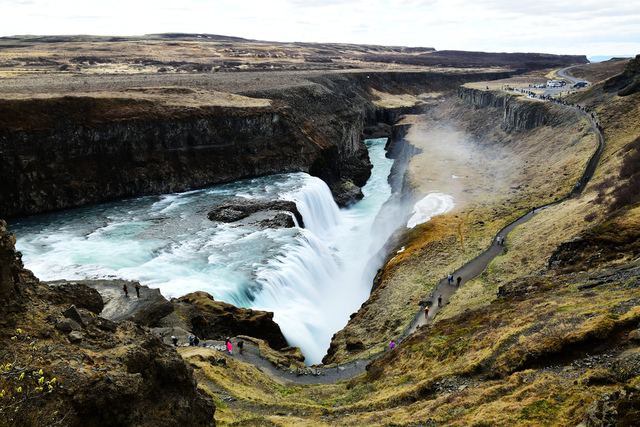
<point>556,345</point>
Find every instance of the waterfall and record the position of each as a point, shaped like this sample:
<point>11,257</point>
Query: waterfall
<point>312,278</point>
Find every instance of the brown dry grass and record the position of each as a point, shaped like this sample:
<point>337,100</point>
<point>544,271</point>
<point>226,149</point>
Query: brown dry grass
<point>596,72</point>
<point>491,185</point>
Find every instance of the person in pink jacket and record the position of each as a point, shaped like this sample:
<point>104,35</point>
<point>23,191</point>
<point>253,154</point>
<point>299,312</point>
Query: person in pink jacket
<point>229,346</point>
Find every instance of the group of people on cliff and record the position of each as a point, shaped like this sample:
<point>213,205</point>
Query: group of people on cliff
<point>125,288</point>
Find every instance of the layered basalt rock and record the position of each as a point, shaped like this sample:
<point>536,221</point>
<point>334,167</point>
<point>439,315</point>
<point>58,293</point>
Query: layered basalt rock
<point>518,112</point>
<point>15,281</point>
<point>75,158</point>
<point>68,151</point>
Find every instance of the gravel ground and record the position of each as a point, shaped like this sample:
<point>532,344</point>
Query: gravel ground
<point>231,82</point>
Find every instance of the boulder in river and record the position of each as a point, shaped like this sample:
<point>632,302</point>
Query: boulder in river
<point>260,212</point>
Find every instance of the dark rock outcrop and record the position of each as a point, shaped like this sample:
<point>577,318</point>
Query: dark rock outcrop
<point>628,82</point>
<point>147,310</point>
<point>520,288</point>
<point>77,293</point>
<point>237,210</point>
<point>210,319</point>
<point>15,280</point>
<point>618,408</point>
<point>105,373</point>
<point>150,385</point>
<point>595,247</point>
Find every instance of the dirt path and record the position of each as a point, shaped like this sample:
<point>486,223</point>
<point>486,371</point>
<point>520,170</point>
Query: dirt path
<point>469,271</point>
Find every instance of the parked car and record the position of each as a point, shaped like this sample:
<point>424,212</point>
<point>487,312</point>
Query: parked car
<point>579,85</point>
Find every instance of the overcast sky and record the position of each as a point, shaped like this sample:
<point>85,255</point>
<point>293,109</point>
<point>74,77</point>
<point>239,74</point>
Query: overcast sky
<point>586,27</point>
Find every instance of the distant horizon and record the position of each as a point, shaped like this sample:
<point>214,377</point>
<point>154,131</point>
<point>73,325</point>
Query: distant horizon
<point>592,58</point>
<point>599,57</point>
<point>602,58</point>
<point>552,27</point>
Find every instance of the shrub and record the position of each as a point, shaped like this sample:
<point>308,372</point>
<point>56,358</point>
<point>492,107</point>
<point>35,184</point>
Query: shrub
<point>25,388</point>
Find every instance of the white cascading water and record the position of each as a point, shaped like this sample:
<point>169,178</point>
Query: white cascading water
<point>312,278</point>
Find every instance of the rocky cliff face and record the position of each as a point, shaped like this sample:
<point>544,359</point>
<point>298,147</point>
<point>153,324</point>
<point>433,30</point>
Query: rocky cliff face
<point>212,319</point>
<point>66,152</point>
<point>628,82</point>
<point>75,159</point>
<point>64,364</point>
<point>15,281</point>
<point>518,112</point>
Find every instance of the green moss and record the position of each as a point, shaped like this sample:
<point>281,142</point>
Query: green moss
<point>404,380</point>
<point>219,403</point>
<point>286,391</point>
<point>537,410</point>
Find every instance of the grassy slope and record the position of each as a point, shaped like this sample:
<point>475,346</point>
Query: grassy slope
<point>521,360</point>
<point>495,182</point>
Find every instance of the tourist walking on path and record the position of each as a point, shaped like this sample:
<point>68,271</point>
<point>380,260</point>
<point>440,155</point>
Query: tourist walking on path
<point>138,289</point>
<point>126,290</point>
<point>450,278</point>
<point>458,280</point>
<point>229,346</point>
<point>439,300</point>
<point>240,346</point>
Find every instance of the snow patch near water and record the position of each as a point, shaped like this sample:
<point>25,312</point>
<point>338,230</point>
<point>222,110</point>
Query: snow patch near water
<point>432,205</point>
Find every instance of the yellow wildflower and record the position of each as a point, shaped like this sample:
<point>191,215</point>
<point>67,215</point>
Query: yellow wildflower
<point>41,380</point>
<point>19,389</point>
<point>21,376</point>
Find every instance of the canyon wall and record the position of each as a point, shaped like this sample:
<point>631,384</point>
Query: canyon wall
<point>518,114</point>
<point>65,152</point>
